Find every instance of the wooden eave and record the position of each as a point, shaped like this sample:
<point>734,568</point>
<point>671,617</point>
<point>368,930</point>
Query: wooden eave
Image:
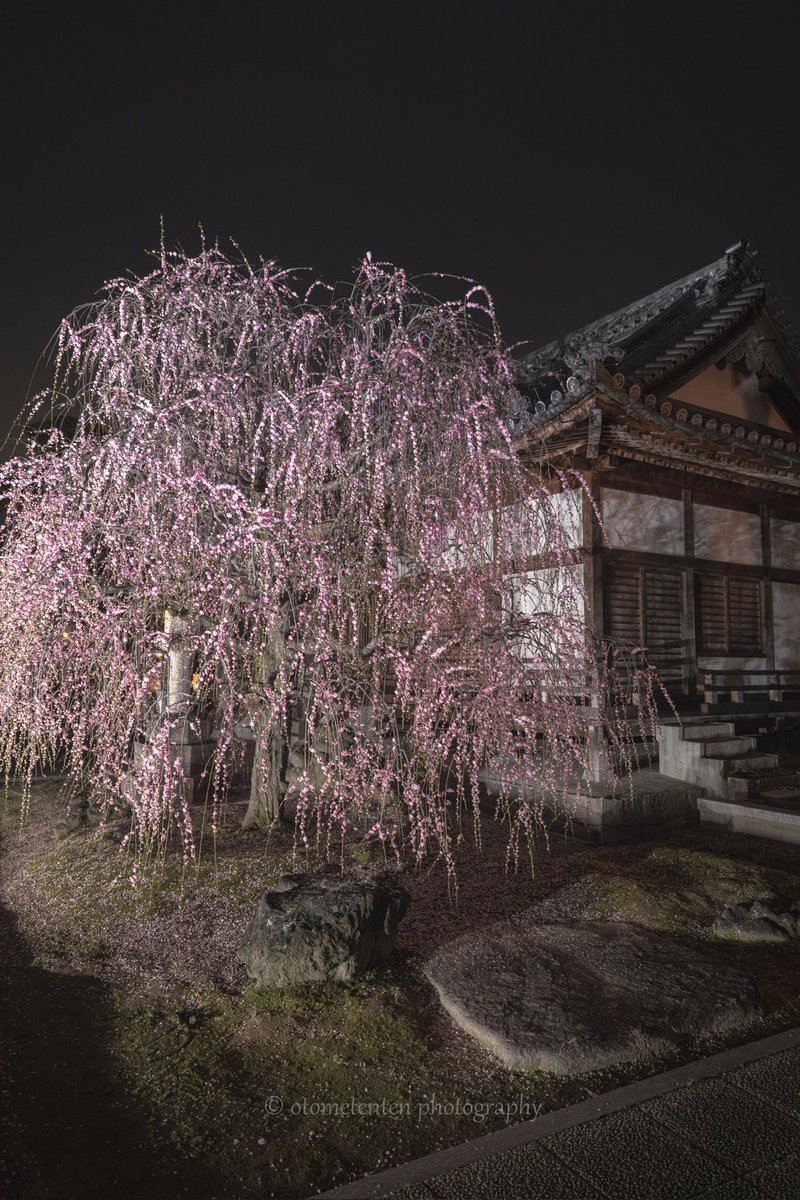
<point>679,437</point>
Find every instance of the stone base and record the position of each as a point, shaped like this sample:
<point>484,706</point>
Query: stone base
<point>322,926</point>
<point>195,758</point>
<point>759,820</point>
<point>651,805</point>
<point>184,734</point>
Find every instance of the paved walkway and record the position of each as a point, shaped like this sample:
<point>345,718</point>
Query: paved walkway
<point>724,1128</point>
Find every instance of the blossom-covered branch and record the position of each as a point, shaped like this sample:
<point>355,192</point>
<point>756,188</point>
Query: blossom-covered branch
<point>327,502</point>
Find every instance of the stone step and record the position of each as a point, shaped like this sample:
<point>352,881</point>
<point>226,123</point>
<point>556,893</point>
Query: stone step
<point>740,788</point>
<point>699,733</point>
<point>726,747</point>
<point>713,757</point>
<point>645,753</point>
<point>750,764</point>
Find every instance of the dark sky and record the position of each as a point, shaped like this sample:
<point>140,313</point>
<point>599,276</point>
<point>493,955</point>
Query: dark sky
<point>571,158</point>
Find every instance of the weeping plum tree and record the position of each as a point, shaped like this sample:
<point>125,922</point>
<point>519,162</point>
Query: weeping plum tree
<point>326,501</point>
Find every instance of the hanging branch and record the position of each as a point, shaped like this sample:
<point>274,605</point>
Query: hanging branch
<point>311,486</point>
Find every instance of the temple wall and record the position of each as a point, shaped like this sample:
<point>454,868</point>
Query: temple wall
<point>554,592</point>
<point>785,544</point>
<point>727,391</point>
<point>568,506</point>
<point>727,534</point>
<point>786,611</point>
<point>636,521</point>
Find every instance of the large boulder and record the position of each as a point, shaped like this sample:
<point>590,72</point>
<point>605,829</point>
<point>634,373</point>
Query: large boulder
<point>317,927</point>
<point>578,996</point>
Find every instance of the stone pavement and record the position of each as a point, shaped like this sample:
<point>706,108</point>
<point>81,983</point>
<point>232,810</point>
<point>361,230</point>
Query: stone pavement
<point>724,1128</point>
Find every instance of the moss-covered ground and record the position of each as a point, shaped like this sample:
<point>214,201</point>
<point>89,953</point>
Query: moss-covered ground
<point>285,1093</point>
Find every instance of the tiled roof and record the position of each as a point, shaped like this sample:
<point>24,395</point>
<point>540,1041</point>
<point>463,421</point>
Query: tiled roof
<point>649,337</point>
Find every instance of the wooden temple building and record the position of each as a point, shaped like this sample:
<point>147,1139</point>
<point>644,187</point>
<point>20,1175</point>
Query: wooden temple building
<point>682,411</point>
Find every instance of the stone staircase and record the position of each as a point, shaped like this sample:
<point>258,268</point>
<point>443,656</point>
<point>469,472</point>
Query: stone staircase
<point>743,790</point>
<point>726,765</point>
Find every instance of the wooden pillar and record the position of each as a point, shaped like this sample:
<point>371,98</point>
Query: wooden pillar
<point>688,629</point>
<point>593,556</point>
<point>767,616</point>
<point>592,541</point>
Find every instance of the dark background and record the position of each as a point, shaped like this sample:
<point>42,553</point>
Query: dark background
<point>569,158</point>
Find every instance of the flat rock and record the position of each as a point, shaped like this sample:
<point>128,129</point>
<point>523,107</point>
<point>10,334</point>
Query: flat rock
<point>583,995</point>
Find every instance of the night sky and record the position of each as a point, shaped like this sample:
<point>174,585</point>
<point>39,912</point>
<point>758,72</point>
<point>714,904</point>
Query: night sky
<point>570,158</point>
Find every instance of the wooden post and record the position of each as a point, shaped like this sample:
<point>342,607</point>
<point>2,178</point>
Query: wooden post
<point>688,627</point>
<point>598,770</point>
<point>598,767</point>
<point>271,736</point>
<point>181,710</point>
<point>593,557</point>
<point>767,617</point>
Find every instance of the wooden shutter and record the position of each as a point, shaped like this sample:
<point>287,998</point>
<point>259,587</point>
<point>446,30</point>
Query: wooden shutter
<point>663,626</point>
<point>622,605</point>
<point>644,607</point>
<point>712,614</point>
<point>729,615</point>
<point>744,616</point>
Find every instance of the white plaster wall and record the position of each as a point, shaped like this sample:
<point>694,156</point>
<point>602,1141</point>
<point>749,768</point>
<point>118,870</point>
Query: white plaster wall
<point>784,539</point>
<point>466,544</point>
<point>552,590</point>
<point>634,521</point>
<point>568,507</point>
<point>786,614</point>
<point>726,534</point>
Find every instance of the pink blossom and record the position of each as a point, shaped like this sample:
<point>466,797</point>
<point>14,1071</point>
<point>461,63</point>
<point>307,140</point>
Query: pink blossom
<point>332,489</point>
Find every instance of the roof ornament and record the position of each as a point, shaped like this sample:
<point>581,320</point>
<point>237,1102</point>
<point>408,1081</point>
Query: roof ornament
<point>581,359</point>
<point>741,249</point>
<point>714,285</point>
<point>754,356</point>
<point>519,420</point>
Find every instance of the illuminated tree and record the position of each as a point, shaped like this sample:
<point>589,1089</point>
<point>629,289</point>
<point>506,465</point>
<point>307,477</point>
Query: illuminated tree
<point>326,501</point>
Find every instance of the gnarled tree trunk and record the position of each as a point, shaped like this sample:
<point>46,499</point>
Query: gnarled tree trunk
<point>268,782</point>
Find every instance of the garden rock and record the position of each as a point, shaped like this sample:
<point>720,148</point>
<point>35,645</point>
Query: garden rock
<point>320,927</point>
<point>580,996</point>
<point>760,920</point>
<point>76,816</point>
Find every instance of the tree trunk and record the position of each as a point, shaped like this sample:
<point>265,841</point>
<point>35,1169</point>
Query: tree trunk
<point>179,668</point>
<point>266,787</point>
<point>271,750</point>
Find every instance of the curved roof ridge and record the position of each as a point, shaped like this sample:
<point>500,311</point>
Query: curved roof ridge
<point>721,276</point>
